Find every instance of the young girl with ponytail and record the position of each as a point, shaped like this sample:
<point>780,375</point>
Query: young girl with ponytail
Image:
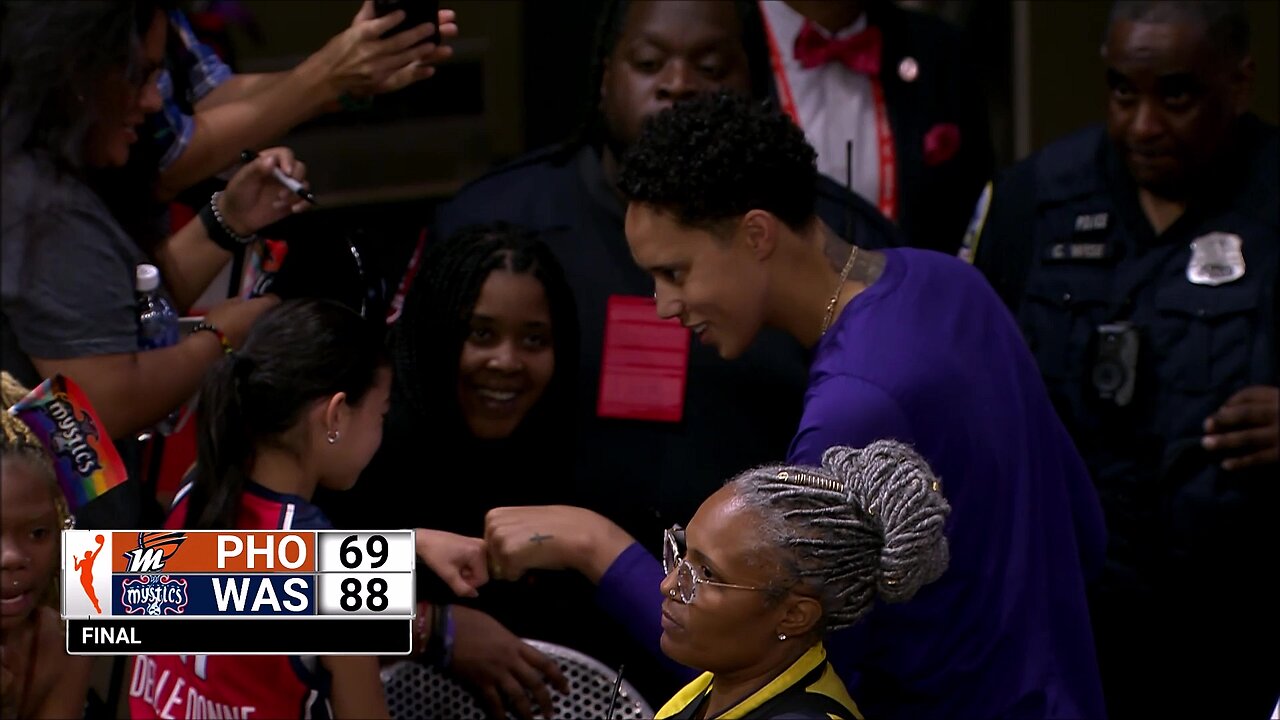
<point>300,406</point>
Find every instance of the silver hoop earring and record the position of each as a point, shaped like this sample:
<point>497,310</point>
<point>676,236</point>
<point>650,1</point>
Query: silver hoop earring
<point>782,636</point>
<point>333,436</point>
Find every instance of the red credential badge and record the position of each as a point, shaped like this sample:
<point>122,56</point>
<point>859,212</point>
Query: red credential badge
<point>645,363</point>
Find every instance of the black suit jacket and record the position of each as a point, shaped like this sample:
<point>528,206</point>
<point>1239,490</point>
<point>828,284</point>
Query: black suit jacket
<point>935,201</point>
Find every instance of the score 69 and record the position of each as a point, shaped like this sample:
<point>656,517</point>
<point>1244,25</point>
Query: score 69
<point>387,551</point>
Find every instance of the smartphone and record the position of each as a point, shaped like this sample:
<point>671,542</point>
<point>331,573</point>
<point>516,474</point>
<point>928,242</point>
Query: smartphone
<point>416,13</point>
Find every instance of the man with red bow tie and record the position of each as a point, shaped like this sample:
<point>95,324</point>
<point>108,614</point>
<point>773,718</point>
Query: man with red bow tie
<point>895,92</point>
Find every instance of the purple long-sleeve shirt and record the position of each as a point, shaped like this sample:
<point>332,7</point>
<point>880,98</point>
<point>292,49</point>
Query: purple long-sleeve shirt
<point>929,356</point>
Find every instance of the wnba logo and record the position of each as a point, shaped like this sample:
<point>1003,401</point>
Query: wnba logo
<point>154,548</point>
<point>84,566</point>
<point>87,573</point>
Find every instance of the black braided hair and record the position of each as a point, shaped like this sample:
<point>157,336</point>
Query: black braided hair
<point>427,339</point>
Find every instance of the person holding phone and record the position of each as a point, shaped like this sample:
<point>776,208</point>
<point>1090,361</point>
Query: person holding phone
<point>417,13</point>
<point>211,113</point>
<point>80,77</point>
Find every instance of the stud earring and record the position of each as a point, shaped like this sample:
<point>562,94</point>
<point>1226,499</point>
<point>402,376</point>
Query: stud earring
<point>333,436</point>
<point>782,636</point>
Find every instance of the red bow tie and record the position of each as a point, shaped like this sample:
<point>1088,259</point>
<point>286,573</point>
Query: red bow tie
<point>860,53</point>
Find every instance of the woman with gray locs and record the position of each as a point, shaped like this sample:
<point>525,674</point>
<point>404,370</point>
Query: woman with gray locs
<point>777,558</point>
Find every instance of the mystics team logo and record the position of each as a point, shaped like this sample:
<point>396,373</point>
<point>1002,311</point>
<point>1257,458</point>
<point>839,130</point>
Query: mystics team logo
<point>75,437</point>
<point>154,549</point>
<point>154,595</point>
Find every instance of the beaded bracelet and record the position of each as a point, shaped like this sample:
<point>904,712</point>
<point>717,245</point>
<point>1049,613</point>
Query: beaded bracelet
<point>223,235</point>
<point>203,326</point>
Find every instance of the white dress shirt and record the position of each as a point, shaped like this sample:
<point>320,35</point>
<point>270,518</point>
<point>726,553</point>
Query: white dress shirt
<point>835,105</point>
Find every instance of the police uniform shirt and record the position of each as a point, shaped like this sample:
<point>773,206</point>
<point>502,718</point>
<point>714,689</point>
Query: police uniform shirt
<point>1093,259</point>
<point>1066,244</point>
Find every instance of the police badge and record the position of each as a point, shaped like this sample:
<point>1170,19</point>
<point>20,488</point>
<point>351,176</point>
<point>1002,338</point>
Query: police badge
<point>1216,259</point>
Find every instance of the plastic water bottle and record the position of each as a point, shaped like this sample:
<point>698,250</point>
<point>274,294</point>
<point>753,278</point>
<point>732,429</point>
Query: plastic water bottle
<point>157,323</point>
<point>157,320</point>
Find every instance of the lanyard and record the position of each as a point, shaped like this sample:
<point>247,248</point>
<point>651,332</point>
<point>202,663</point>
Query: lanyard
<point>888,201</point>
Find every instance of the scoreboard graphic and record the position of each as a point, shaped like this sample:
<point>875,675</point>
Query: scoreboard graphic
<point>242,592</point>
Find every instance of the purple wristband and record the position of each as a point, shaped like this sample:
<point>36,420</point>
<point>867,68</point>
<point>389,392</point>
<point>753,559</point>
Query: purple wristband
<point>449,629</point>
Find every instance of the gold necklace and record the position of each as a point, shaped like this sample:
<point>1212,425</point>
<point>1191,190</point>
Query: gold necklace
<point>844,275</point>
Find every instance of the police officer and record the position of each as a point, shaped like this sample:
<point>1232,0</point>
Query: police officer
<point>1141,262</point>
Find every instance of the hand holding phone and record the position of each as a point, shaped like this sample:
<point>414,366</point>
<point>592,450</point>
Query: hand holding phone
<point>416,12</point>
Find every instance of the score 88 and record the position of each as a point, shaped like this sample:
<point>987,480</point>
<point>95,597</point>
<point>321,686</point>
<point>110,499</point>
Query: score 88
<point>351,599</point>
<point>366,573</point>
<point>366,594</point>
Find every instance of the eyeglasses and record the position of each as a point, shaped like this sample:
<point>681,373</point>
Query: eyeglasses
<point>687,581</point>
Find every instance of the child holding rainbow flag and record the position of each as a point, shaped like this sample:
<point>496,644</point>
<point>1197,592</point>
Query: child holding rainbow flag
<point>37,677</point>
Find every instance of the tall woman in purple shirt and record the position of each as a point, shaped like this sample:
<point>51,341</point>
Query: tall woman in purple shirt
<point>908,345</point>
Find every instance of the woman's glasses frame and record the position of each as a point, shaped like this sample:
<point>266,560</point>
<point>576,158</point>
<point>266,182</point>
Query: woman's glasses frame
<point>687,581</point>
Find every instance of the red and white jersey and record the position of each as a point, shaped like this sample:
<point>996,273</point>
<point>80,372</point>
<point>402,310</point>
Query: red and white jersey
<point>236,686</point>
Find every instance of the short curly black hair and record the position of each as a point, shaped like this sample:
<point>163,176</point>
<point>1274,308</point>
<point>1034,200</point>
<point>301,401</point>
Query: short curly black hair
<point>717,156</point>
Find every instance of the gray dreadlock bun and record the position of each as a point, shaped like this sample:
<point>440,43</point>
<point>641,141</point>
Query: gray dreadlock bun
<point>898,491</point>
<point>868,523</point>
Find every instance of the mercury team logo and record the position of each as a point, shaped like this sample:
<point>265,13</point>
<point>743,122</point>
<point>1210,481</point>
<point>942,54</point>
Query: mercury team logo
<point>154,549</point>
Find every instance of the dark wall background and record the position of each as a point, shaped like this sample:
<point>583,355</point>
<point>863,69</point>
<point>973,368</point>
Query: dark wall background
<point>521,68</point>
<point>518,81</point>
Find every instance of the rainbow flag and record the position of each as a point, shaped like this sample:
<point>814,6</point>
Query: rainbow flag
<point>85,460</point>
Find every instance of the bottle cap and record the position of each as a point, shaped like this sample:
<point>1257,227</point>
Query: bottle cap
<point>146,278</point>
